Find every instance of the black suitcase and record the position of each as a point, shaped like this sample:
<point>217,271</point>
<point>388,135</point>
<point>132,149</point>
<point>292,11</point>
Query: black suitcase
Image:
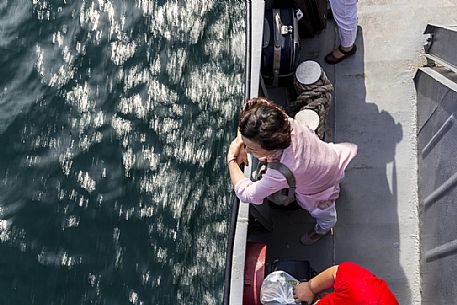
<point>301,270</point>
<point>280,44</point>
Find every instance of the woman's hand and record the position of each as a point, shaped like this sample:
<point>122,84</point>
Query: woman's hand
<point>302,292</point>
<point>237,151</point>
<point>243,155</point>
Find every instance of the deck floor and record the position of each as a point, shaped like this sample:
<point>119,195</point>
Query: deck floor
<point>373,109</point>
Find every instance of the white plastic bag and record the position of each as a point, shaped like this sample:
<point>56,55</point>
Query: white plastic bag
<point>278,288</point>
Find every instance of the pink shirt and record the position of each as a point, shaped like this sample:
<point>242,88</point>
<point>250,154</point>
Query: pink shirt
<point>317,166</point>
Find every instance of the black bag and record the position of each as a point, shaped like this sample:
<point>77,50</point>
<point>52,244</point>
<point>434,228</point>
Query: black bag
<point>301,270</point>
<point>313,18</point>
<point>280,44</point>
<point>284,197</point>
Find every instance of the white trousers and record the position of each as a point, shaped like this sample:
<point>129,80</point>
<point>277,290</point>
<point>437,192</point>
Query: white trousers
<point>325,219</point>
<point>345,15</point>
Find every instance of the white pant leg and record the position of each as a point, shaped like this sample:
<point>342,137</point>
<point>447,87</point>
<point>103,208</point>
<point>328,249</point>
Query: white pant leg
<point>345,15</point>
<point>325,218</point>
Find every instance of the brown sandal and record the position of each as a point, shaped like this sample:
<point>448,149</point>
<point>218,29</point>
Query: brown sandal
<point>311,237</point>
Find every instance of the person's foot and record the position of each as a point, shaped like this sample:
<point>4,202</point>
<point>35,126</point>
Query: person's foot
<point>311,237</point>
<point>340,54</point>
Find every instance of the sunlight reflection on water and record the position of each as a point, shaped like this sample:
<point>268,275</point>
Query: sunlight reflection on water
<point>113,183</point>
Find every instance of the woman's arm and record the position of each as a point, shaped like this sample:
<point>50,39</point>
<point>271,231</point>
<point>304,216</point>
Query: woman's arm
<point>236,175</point>
<point>245,189</point>
<point>306,291</point>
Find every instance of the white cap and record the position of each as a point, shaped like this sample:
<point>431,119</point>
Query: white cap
<point>308,72</point>
<point>309,118</point>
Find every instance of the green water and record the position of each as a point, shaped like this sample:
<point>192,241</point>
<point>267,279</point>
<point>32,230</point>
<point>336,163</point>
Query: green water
<point>114,121</point>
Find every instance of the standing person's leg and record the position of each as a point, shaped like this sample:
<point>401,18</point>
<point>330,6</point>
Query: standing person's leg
<point>325,221</point>
<point>345,15</point>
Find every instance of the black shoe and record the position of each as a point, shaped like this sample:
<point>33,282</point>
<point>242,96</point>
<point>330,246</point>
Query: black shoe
<point>332,60</point>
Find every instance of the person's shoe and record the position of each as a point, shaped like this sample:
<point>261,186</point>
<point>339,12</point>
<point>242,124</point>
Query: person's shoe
<point>332,60</point>
<point>311,237</point>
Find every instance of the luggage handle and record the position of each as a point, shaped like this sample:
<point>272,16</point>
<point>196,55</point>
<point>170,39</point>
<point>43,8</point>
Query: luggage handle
<point>281,29</point>
<point>278,31</point>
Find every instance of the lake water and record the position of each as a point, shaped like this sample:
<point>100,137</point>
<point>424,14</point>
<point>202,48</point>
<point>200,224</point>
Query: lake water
<point>115,117</point>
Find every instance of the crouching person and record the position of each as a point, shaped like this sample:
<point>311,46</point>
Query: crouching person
<point>270,135</point>
<point>352,284</point>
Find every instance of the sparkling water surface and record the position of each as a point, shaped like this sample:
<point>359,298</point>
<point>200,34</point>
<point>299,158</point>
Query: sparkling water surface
<point>115,116</point>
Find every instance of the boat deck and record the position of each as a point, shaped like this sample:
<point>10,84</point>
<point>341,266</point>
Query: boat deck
<point>374,106</point>
<point>377,209</point>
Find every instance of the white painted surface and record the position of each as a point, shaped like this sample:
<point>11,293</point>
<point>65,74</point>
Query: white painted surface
<point>258,12</point>
<point>239,249</point>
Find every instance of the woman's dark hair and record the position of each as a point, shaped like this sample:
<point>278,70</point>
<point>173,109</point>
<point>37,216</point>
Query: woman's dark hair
<point>265,123</point>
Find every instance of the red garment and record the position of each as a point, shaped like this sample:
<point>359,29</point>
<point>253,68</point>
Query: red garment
<point>355,285</point>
